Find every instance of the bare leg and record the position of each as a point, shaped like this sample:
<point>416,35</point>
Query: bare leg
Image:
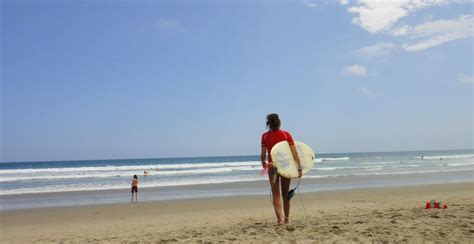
<point>285,188</point>
<point>275,193</point>
<point>136,196</point>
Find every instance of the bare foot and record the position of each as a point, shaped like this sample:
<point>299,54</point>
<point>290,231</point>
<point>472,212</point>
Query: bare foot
<point>287,221</point>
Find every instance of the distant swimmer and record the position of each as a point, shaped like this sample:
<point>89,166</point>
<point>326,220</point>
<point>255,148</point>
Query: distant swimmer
<point>422,156</point>
<point>145,173</point>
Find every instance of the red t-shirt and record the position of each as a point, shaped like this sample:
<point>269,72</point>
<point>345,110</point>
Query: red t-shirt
<point>272,137</point>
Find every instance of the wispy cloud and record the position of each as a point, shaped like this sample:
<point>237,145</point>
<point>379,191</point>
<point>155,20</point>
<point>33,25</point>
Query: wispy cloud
<point>355,70</point>
<point>344,2</point>
<point>465,79</point>
<point>168,24</point>
<point>369,92</point>
<point>437,32</point>
<point>378,50</point>
<point>378,17</point>
<point>310,4</point>
<point>400,31</point>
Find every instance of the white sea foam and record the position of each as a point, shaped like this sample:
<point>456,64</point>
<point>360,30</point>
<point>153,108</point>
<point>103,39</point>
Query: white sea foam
<point>348,167</point>
<point>326,168</point>
<point>407,165</point>
<point>105,186</point>
<point>32,180</point>
<point>380,163</point>
<point>127,174</point>
<point>186,181</point>
<point>460,164</point>
<point>375,168</point>
<point>130,167</point>
<point>320,160</point>
<point>447,156</point>
<point>388,173</point>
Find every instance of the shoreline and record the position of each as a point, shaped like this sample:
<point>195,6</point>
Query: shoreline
<point>249,188</point>
<point>370,214</point>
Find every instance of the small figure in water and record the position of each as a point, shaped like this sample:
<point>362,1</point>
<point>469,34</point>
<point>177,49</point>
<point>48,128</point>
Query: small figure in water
<point>145,173</point>
<point>422,156</point>
<point>135,187</point>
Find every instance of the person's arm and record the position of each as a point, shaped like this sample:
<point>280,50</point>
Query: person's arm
<point>263,156</point>
<point>297,159</point>
<point>290,140</point>
<point>263,152</point>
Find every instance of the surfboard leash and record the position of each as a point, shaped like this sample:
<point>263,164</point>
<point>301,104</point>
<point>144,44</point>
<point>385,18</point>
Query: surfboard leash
<point>291,193</point>
<point>301,201</point>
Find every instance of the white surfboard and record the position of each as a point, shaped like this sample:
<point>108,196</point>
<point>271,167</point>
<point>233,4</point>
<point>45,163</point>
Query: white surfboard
<point>286,164</point>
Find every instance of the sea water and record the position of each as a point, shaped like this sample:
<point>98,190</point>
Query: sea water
<point>17,178</point>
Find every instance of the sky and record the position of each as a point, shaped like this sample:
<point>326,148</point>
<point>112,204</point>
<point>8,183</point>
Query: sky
<point>147,79</point>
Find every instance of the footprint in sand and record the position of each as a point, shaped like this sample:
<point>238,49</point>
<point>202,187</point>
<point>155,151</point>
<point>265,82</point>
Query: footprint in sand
<point>290,228</point>
<point>396,215</point>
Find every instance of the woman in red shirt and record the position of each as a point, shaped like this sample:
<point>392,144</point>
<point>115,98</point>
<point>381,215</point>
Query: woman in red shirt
<point>269,139</point>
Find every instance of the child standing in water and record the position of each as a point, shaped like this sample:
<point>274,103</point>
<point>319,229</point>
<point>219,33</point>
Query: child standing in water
<point>135,187</point>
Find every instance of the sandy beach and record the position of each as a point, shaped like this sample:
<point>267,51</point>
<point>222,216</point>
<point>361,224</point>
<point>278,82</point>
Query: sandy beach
<point>361,215</point>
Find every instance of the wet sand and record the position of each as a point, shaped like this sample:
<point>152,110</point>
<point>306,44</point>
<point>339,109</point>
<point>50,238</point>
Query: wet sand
<point>359,215</point>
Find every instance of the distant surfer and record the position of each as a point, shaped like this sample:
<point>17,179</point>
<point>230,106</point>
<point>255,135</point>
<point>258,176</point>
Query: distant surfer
<point>135,187</point>
<point>422,156</point>
<point>269,139</point>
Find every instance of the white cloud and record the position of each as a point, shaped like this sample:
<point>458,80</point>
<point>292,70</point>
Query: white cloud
<point>400,31</point>
<point>356,70</point>
<point>344,2</point>
<point>383,16</point>
<point>466,79</point>
<point>377,16</point>
<point>375,51</point>
<point>437,32</point>
<point>168,24</point>
<point>310,4</point>
<point>369,92</point>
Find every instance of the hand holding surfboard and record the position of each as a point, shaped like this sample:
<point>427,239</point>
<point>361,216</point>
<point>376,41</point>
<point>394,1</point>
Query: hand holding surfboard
<point>286,164</point>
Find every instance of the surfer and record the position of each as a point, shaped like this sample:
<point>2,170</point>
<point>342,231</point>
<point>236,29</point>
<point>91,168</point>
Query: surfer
<point>135,187</point>
<point>269,139</point>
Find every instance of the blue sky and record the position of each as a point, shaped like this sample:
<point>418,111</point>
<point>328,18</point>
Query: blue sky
<point>136,79</point>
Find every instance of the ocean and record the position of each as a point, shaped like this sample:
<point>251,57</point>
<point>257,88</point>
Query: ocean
<point>172,178</point>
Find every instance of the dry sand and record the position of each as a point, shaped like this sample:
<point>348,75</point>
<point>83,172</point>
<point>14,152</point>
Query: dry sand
<point>393,214</point>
